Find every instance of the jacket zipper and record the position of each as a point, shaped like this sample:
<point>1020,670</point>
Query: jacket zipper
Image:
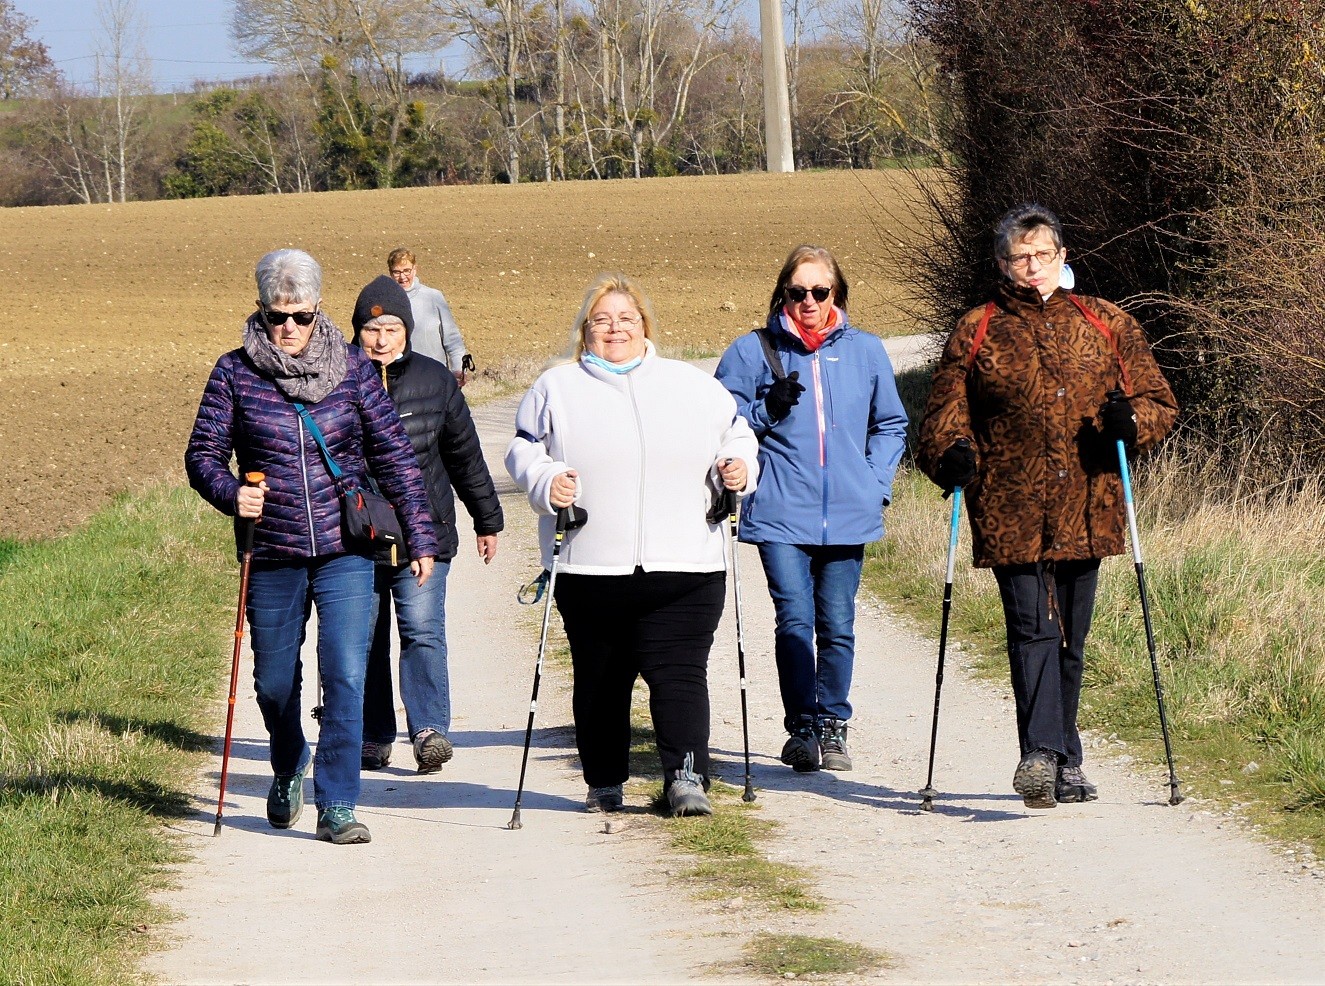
<point>823,444</point>
<point>395,558</point>
<point>639,519</point>
<point>308,501</point>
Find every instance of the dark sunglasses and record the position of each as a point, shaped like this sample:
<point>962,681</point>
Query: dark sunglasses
<point>278,318</point>
<point>797,294</point>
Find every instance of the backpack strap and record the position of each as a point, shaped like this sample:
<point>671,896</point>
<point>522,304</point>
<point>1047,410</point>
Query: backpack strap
<point>332,468</point>
<point>980,334</point>
<point>1098,322</point>
<point>770,354</point>
<point>1090,316</point>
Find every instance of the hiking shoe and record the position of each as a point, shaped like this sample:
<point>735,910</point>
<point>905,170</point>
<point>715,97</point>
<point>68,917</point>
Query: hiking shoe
<point>339,827</point>
<point>375,756</point>
<point>1073,788</point>
<point>431,750</point>
<point>686,793</point>
<point>801,751</point>
<point>833,745</point>
<point>610,798</point>
<point>285,799</point>
<point>1035,778</point>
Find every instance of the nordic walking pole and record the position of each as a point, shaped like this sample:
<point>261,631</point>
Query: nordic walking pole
<point>245,563</point>
<point>728,504</point>
<point>927,793</point>
<point>563,516</point>
<point>1175,796</point>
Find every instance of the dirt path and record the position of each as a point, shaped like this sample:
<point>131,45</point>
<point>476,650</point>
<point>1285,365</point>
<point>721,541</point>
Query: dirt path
<point>1123,890</point>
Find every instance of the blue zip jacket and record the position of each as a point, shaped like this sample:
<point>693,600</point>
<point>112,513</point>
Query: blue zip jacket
<point>826,469</point>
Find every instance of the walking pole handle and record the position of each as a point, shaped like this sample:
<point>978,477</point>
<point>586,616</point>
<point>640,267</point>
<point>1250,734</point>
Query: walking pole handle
<point>246,524</point>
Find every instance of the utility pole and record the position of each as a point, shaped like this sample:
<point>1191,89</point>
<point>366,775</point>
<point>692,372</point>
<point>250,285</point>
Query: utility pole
<point>777,112</point>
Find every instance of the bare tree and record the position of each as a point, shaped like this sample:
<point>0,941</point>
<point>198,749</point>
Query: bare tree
<point>122,77</point>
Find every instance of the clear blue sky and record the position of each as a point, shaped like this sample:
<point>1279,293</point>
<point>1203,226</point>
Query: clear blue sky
<point>185,40</point>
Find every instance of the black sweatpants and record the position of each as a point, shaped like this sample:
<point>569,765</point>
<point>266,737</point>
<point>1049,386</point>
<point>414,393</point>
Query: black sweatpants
<point>656,624</point>
<point>1048,607</point>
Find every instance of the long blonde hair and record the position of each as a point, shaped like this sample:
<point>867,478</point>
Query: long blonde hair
<point>603,285</point>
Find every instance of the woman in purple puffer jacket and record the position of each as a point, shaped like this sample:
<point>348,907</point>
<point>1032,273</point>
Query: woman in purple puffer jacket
<point>292,353</point>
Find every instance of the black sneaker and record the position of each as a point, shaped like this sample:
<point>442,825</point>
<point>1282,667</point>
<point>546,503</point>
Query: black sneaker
<point>431,750</point>
<point>285,799</point>
<point>375,756</point>
<point>801,751</point>
<point>833,753</point>
<point>1073,788</point>
<point>339,827</point>
<point>610,798</point>
<point>1035,778</point>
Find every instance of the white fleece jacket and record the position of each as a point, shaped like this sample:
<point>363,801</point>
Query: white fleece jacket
<point>646,445</point>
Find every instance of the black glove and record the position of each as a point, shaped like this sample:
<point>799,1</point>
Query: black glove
<point>783,396</point>
<point>1118,420</point>
<point>956,467</point>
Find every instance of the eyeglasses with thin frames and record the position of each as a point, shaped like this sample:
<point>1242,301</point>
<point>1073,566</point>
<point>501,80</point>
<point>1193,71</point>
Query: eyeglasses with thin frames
<point>604,322</point>
<point>275,318</point>
<point>1018,261</point>
<point>797,293</point>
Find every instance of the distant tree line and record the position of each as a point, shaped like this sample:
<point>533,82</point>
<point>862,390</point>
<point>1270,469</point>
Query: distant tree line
<point>555,90</point>
<point>1183,143</point>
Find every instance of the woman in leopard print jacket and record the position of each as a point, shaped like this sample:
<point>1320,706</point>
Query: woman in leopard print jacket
<point>1023,416</point>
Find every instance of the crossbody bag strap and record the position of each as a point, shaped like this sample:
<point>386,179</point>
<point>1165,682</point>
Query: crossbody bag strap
<point>1098,322</point>
<point>770,354</point>
<point>332,468</point>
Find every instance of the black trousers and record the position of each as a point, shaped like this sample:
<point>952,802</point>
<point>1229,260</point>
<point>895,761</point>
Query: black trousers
<point>656,624</point>
<point>1048,607</point>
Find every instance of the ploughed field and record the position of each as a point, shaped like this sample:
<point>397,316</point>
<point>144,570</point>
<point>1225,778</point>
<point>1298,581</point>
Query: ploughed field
<point>119,312</point>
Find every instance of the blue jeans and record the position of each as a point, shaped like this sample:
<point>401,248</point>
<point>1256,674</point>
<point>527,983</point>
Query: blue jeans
<point>425,687</point>
<point>281,597</point>
<point>814,599</point>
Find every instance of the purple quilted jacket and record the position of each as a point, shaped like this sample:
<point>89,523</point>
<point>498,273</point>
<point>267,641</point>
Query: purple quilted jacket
<point>242,411</point>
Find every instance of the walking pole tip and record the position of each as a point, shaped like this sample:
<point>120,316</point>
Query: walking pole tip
<point>749,794</point>
<point>515,822</point>
<point>927,795</point>
<point>217,830</point>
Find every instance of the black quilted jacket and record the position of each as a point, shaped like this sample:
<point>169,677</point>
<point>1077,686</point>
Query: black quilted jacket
<point>439,426</point>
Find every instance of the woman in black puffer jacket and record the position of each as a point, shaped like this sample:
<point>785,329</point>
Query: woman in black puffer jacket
<point>293,355</point>
<point>439,426</point>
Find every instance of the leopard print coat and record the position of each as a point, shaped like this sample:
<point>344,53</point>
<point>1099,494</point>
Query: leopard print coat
<point>1047,486</point>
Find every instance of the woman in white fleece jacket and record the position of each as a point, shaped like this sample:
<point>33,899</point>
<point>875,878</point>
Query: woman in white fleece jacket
<point>641,445</point>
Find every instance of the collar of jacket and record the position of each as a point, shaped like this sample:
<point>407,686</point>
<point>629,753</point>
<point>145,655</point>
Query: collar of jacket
<point>777,330</point>
<point>1026,301</point>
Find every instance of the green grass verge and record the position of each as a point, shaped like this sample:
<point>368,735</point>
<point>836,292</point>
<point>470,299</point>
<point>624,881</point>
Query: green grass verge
<point>108,664</point>
<point>1235,582</point>
<point>794,956</point>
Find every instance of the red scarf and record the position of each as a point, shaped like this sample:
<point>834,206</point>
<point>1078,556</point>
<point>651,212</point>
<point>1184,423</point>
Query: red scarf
<point>812,339</point>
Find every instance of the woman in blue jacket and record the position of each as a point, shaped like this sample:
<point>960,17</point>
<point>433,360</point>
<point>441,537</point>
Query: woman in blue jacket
<point>821,397</point>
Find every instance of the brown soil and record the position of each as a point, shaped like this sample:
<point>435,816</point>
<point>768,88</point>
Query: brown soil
<point>124,309</point>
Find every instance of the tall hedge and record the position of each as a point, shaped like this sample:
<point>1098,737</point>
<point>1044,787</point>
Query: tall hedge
<point>1183,143</point>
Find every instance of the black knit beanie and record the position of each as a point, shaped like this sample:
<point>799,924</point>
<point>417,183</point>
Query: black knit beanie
<point>383,296</point>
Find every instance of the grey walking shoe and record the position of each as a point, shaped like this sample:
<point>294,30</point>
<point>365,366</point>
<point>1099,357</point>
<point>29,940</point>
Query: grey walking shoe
<point>431,750</point>
<point>833,753</point>
<point>610,798</point>
<point>285,799</point>
<point>686,793</point>
<point>1073,788</point>
<point>801,751</point>
<point>339,827</point>
<point>375,756</point>
<point>1036,775</point>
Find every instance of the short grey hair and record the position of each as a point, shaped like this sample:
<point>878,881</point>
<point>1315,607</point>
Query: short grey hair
<point>289,277</point>
<point>1022,221</point>
<point>383,322</point>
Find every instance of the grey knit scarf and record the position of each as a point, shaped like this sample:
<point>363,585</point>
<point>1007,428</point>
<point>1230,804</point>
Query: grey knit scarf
<point>311,375</point>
